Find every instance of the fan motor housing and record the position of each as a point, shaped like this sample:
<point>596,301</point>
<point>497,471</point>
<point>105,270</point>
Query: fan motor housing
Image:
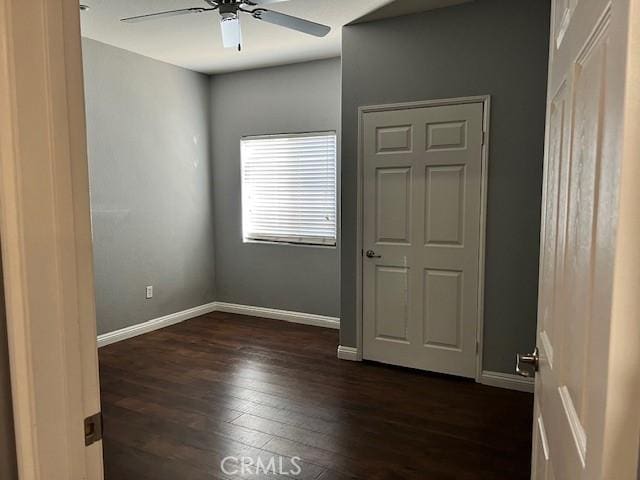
<point>231,7</point>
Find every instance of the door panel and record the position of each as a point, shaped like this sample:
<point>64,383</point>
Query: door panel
<point>444,205</point>
<point>540,467</point>
<point>391,303</point>
<point>422,196</point>
<point>447,136</point>
<point>393,206</point>
<point>394,139</point>
<point>442,309</point>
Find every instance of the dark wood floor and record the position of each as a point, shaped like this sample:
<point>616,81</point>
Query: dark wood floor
<point>177,401</point>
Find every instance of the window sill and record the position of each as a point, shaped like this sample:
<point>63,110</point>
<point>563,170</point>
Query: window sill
<point>289,244</point>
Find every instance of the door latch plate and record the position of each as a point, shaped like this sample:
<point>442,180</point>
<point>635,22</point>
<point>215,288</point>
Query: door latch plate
<point>93,429</point>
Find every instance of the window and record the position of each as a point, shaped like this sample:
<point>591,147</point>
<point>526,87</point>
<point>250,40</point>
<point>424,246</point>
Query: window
<point>289,188</point>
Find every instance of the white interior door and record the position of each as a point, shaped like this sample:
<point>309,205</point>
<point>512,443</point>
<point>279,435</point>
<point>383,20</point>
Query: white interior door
<point>585,381</point>
<point>421,236</point>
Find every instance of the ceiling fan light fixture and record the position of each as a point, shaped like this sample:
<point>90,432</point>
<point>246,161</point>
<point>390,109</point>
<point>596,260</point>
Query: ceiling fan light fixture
<point>230,22</point>
<point>231,33</point>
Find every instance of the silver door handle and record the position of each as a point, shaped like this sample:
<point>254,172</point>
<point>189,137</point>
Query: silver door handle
<point>532,359</point>
<point>372,254</point>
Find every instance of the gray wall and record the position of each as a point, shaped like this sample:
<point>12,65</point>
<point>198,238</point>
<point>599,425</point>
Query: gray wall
<point>294,98</point>
<point>497,47</point>
<point>8,468</point>
<point>152,213</point>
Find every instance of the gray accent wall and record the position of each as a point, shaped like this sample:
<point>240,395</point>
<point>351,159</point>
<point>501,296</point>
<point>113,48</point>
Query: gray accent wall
<point>303,97</point>
<point>150,178</point>
<point>496,47</point>
<point>8,467</point>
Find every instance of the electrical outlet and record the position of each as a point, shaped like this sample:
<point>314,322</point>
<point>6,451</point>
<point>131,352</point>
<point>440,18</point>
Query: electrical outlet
<point>150,291</point>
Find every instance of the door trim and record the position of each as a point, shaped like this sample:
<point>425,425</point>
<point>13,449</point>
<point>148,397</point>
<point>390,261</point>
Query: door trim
<point>485,100</point>
<point>45,228</point>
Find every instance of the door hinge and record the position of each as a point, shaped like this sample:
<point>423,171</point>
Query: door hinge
<point>93,429</point>
<point>477,346</point>
<point>484,138</point>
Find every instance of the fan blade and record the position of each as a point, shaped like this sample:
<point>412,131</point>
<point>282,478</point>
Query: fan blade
<point>231,32</point>
<point>171,13</point>
<point>294,23</point>
<point>261,2</point>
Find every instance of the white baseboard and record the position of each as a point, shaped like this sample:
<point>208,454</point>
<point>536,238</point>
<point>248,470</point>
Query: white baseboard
<point>154,324</point>
<point>287,316</point>
<point>158,323</point>
<point>507,380</point>
<point>349,353</point>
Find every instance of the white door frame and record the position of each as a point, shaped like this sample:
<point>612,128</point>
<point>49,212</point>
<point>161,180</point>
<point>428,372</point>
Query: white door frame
<point>45,227</point>
<point>485,100</point>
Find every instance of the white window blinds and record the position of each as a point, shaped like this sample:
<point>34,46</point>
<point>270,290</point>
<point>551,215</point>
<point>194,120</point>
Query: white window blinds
<point>289,188</point>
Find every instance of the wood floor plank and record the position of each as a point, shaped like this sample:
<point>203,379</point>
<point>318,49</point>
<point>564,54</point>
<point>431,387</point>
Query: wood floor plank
<point>177,401</point>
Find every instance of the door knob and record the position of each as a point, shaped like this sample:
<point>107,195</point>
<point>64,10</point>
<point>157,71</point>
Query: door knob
<point>372,254</point>
<point>532,359</point>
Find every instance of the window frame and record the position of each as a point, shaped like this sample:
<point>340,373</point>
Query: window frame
<point>303,241</point>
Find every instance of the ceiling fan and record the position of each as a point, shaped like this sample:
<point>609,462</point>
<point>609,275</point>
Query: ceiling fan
<point>230,18</point>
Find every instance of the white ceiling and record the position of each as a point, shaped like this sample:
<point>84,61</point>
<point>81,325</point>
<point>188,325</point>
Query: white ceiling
<point>194,41</point>
<point>406,7</point>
